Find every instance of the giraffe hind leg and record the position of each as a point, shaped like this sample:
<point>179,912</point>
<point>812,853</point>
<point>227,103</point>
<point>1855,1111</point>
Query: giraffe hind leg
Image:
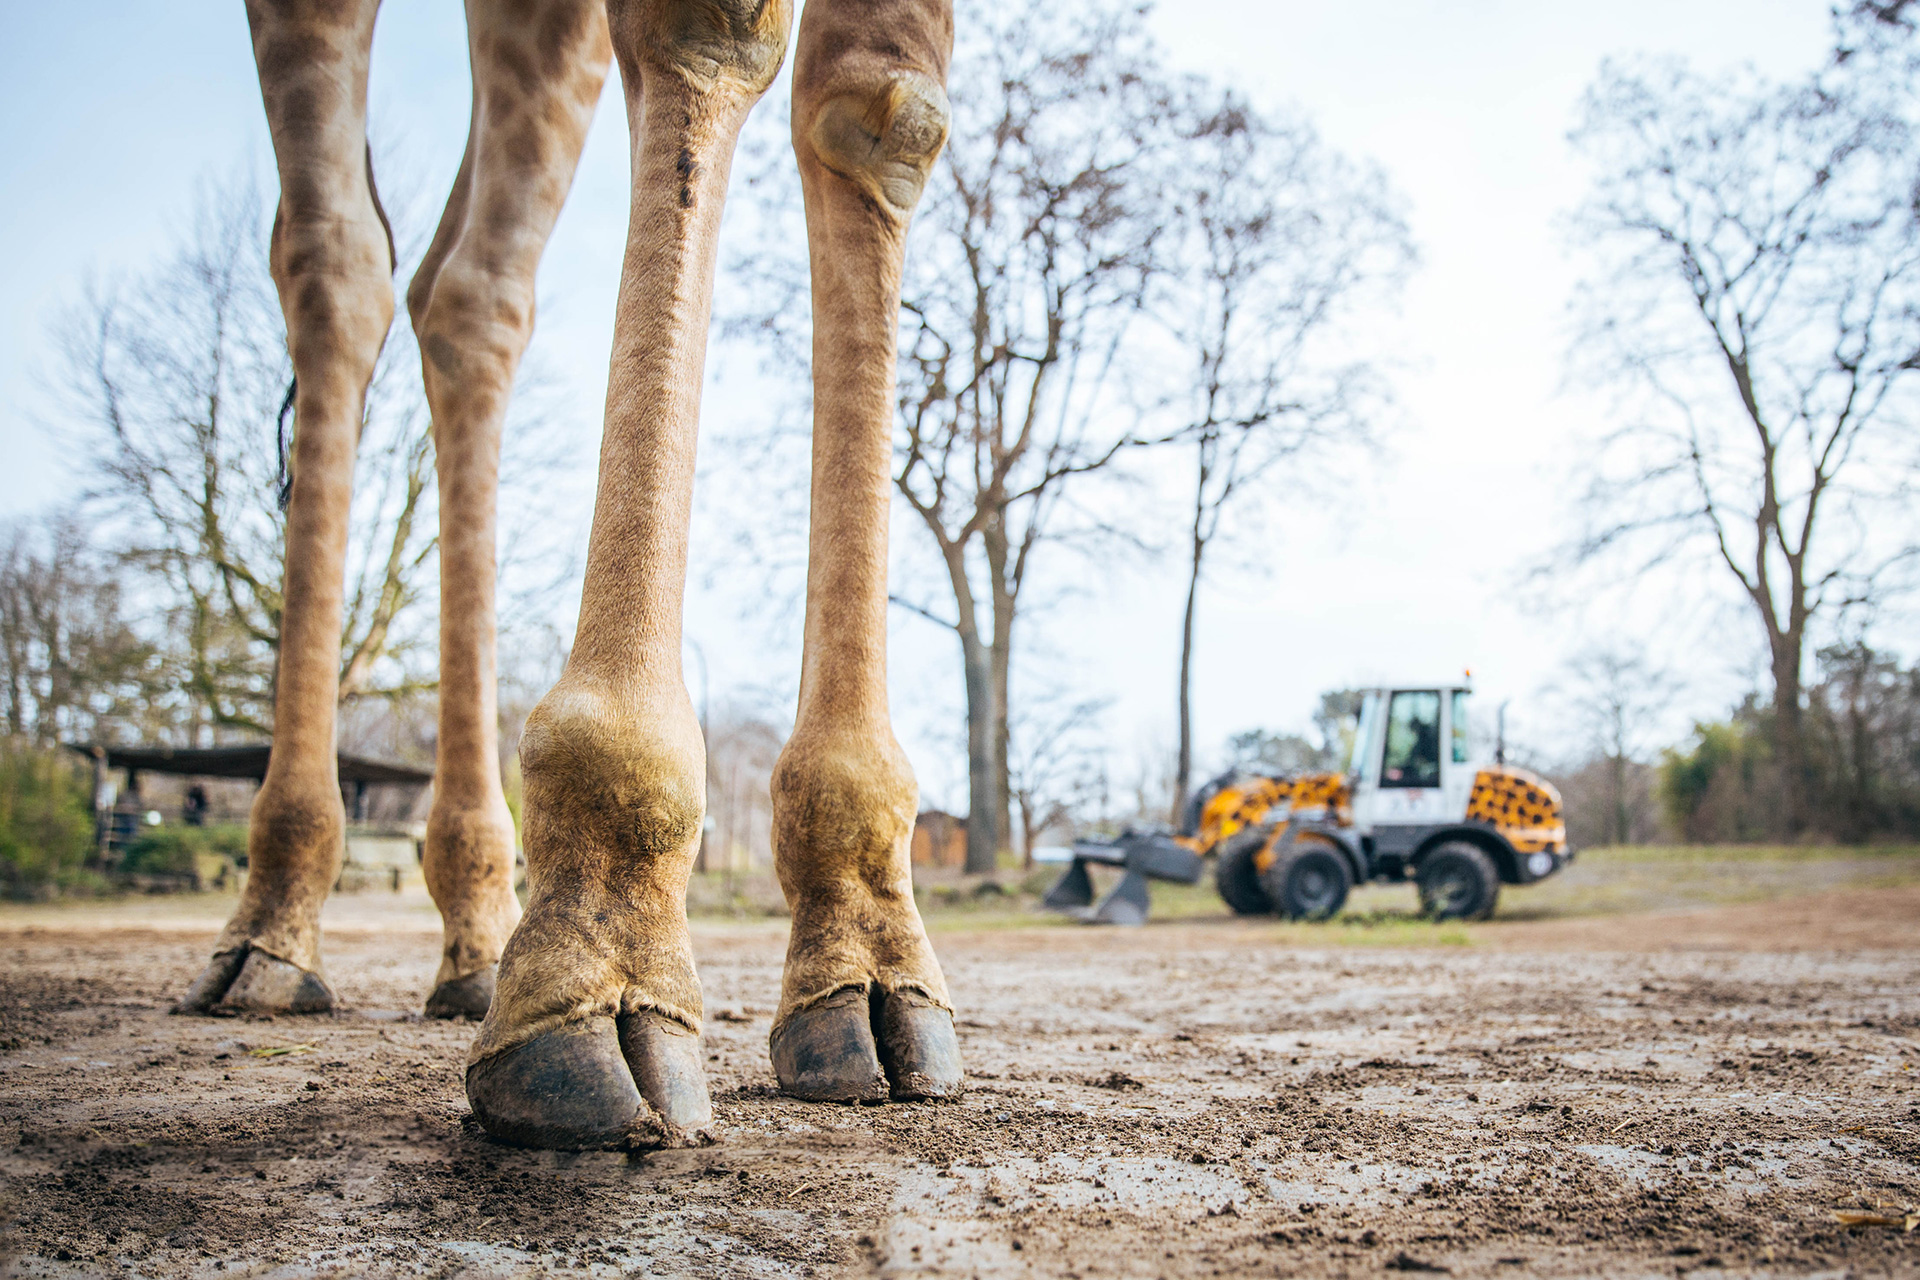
<point>331,263</point>
<point>472,308</point>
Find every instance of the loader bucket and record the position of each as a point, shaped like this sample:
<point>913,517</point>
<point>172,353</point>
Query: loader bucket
<point>1144,855</point>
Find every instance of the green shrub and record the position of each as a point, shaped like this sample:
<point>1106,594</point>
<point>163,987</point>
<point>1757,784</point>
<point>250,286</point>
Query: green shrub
<point>160,851</point>
<point>174,850</point>
<point>46,822</point>
<point>1721,788</point>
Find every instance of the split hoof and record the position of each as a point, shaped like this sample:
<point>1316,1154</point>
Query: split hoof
<point>212,982</point>
<point>866,1045</point>
<point>466,997</point>
<point>665,1060</point>
<point>572,1089</point>
<point>248,980</point>
<point>919,1049</point>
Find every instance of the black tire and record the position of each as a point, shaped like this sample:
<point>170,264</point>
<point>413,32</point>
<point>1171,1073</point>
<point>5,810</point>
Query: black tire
<point>1457,881</point>
<point>1235,876</point>
<point>1308,881</point>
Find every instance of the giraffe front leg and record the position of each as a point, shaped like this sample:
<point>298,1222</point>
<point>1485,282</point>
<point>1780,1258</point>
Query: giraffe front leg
<point>592,1039</point>
<point>864,1012</point>
<point>332,264</point>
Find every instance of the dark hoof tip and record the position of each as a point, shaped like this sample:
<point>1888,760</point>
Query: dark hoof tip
<point>826,1053</point>
<point>567,1090</point>
<point>666,1064</point>
<point>919,1049</point>
<point>466,997</point>
<point>212,983</point>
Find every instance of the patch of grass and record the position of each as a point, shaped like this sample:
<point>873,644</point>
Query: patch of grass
<point>1601,882</point>
<point>1669,854</point>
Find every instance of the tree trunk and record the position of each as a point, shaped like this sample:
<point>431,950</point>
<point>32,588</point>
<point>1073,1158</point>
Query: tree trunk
<point>983,829</point>
<point>1183,768</point>
<point>1000,777</point>
<point>1619,769</point>
<point>1026,834</point>
<point>987,821</point>
<point>1789,736</point>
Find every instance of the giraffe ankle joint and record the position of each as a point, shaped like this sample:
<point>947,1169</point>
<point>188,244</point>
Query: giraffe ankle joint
<point>334,275</point>
<point>619,781</point>
<point>848,811</point>
<point>705,42</point>
<point>884,140</point>
<point>284,822</point>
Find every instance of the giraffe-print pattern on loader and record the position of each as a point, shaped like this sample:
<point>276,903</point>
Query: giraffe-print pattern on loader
<point>1523,806</point>
<point>1310,796</point>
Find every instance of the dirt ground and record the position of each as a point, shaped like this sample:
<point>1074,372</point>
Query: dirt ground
<point>1630,1095</point>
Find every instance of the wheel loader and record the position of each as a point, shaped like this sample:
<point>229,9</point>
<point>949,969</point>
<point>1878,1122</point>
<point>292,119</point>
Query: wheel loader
<point>1412,804</point>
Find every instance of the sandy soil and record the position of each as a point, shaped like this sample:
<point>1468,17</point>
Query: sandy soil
<point>1633,1096</point>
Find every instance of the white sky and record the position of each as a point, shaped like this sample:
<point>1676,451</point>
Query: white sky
<point>113,121</point>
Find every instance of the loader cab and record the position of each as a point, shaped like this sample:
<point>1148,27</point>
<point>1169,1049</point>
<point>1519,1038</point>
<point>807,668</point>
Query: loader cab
<point>1412,762</point>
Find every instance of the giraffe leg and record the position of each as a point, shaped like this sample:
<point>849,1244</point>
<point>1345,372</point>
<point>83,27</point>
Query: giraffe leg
<point>592,1039</point>
<point>472,305</point>
<point>332,263</point>
<point>863,1010</point>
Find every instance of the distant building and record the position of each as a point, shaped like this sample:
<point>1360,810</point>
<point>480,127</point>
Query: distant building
<point>939,840</point>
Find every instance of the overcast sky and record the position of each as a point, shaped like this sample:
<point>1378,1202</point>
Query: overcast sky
<point>113,120</point>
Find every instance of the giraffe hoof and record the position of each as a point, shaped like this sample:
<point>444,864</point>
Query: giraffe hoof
<point>826,1052</point>
<point>268,984</point>
<point>466,997</point>
<point>248,980</point>
<point>572,1089</point>
<point>212,983</point>
<point>665,1060</point>
<point>918,1048</point>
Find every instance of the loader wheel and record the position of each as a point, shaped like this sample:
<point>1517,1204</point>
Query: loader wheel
<point>1457,881</point>
<point>1308,881</point>
<point>1235,875</point>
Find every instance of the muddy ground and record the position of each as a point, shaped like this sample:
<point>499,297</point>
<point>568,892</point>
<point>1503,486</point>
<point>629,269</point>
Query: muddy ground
<point>1632,1095</point>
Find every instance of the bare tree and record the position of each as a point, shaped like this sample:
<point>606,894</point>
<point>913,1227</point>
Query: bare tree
<point>180,378</point>
<point>1865,712</point>
<point>1759,313</point>
<point>75,667</point>
<point>1618,697</point>
<point>1055,763</point>
<point>743,744</point>
<point>1279,242</point>
<point>1026,269</point>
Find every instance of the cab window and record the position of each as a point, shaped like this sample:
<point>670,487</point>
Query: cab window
<point>1457,730</point>
<point>1413,740</point>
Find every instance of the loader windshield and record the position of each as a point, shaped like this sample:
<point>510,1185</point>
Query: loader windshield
<point>1363,733</point>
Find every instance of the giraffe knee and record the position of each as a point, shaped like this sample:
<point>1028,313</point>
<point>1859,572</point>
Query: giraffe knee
<point>473,324</point>
<point>883,138</point>
<point>335,279</point>
<point>703,41</point>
